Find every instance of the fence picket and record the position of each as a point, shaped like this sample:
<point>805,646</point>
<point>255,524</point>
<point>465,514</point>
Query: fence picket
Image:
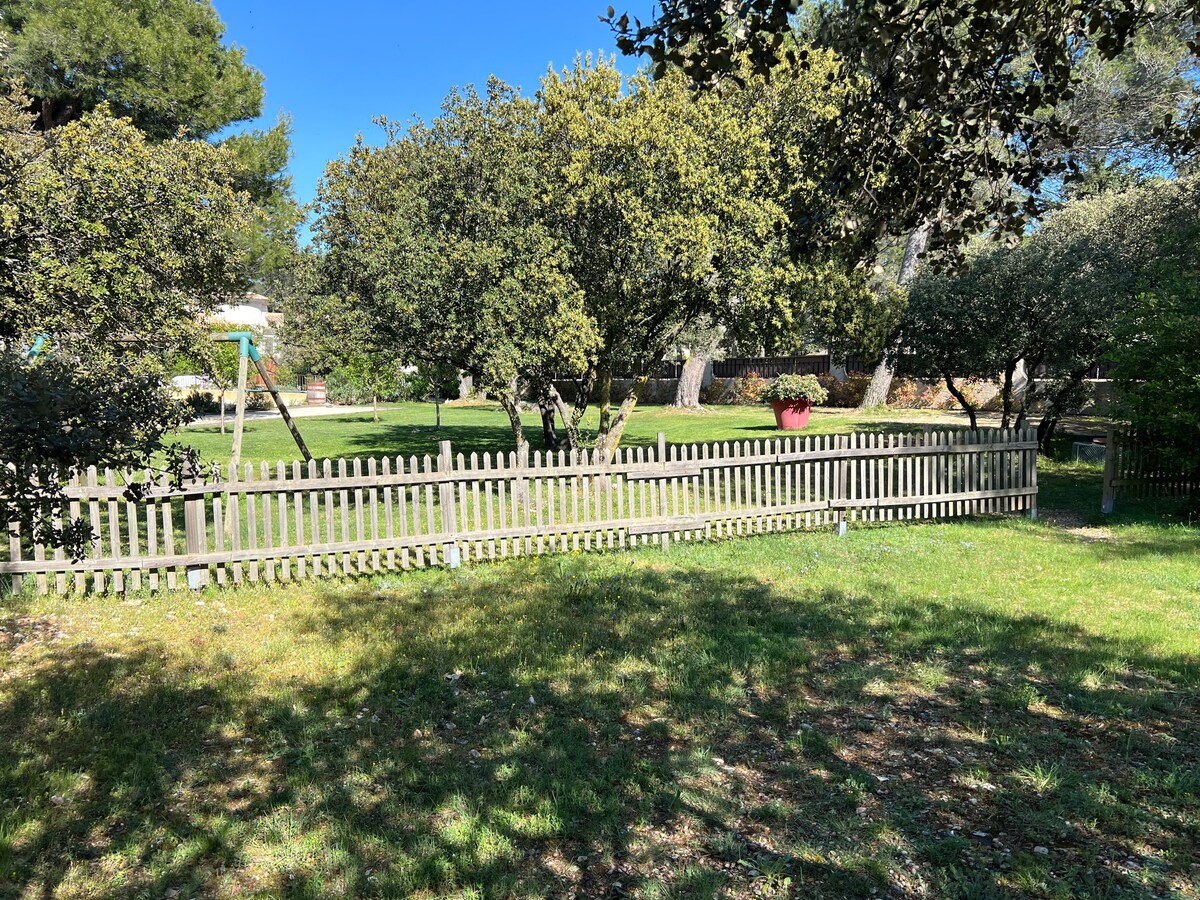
<point>251,523</point>
<point>389,522</point>
<point>285,565</point>
<point>646,495</point>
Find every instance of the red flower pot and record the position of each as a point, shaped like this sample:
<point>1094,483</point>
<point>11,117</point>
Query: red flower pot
<point>791,415</point>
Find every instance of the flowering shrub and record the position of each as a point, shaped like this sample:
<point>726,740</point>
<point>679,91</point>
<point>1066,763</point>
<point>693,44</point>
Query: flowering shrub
<point>845,394</point>
<point>796,387</point>
<point>747,391</point>
<point>908,393</point>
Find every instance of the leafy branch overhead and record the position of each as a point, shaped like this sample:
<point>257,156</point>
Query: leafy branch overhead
<point>957,113</point>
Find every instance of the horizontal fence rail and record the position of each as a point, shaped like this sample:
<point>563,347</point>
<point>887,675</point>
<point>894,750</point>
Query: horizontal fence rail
<point>771,366</point>
<point>353,517</point>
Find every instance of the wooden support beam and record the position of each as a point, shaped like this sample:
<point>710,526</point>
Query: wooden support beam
<point>282,407</point>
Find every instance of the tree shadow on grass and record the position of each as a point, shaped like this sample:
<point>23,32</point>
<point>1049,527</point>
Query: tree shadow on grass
<point>615,727</point>
<point>117,757</point>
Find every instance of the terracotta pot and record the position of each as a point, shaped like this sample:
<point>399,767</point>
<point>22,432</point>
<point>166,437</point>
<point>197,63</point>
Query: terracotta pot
<point>315,395</point>
<point>791,415</point>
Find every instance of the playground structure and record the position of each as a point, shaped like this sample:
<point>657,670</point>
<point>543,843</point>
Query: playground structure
<point>247,353</point>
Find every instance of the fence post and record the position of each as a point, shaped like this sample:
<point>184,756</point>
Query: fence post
<point>1110,469</point>
<point>450,550</point>
<point>195,533</point>
<point>843,466</point>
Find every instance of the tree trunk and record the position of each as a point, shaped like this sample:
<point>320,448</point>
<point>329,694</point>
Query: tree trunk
<point>50,118</point>
<point>222,404</point>
<point>605,403</point>
<point>1029,391</point>
<point>881,378</point>
<point>881,384</point>
<point>570,418</point>
<point>1006,393</point>
<point>961,398</point>
<point>1045,431</point>
<point>513,408</point>
<point>548,411</point>
<point>609,438</point>
<point>375,406</point>
<point>691,379</point>
<point>583,397</point>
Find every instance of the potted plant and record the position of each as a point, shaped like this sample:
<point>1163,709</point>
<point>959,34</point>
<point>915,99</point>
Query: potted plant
<point>793,396</point>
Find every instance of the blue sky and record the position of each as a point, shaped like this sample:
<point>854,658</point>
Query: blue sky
<point>334,66</point>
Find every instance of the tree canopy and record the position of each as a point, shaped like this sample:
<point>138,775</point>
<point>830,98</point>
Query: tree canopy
<point>572,236</point>
<point>436,245</point>
<point>160,63</point>
<point>1060,298</point>
<point>165,66</point>
<point>671,204</point>
<point>116,248</point>
<point>960,109</point>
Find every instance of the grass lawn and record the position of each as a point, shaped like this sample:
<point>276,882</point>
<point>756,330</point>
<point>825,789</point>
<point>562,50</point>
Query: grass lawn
<point>989,708</point>
<point>406,429</point>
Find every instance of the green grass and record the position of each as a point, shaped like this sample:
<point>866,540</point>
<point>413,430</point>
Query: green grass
<point>408,429</point>
<point>988,708</point>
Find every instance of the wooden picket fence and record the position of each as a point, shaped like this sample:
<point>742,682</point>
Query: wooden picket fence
<point>1140,465</point>
<point>359,516</point>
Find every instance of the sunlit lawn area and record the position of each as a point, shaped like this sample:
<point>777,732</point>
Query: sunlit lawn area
<point>990,708</point>
<point>409,428</point>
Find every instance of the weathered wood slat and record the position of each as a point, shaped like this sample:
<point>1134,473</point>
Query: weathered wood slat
<point>554,502</point>
<point>634,471</point>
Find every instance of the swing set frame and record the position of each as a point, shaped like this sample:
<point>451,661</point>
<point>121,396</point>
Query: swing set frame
<point>247,353</point>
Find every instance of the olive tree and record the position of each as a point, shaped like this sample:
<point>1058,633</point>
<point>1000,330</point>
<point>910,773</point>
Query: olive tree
<point>1059,298</point>
<point>670,205</point>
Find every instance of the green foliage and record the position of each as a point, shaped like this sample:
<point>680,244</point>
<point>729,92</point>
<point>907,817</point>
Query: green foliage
<point>270,244</point>
<point>1059,297</point>
<point>575,235</point>
<point>1156,349</point>
<point>369,378</point>
<point>670,203</point>
<point>796,387</point>
<point>859,318</point>
<point>64,412</point>
<point>436,248</point>
<point>959,112</point>
<point>219,360</point>
<point>112,237</point>
<point>117,248</point>
<point>161,63</point>
<point>199,403</point>
<point>1119,104</point>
